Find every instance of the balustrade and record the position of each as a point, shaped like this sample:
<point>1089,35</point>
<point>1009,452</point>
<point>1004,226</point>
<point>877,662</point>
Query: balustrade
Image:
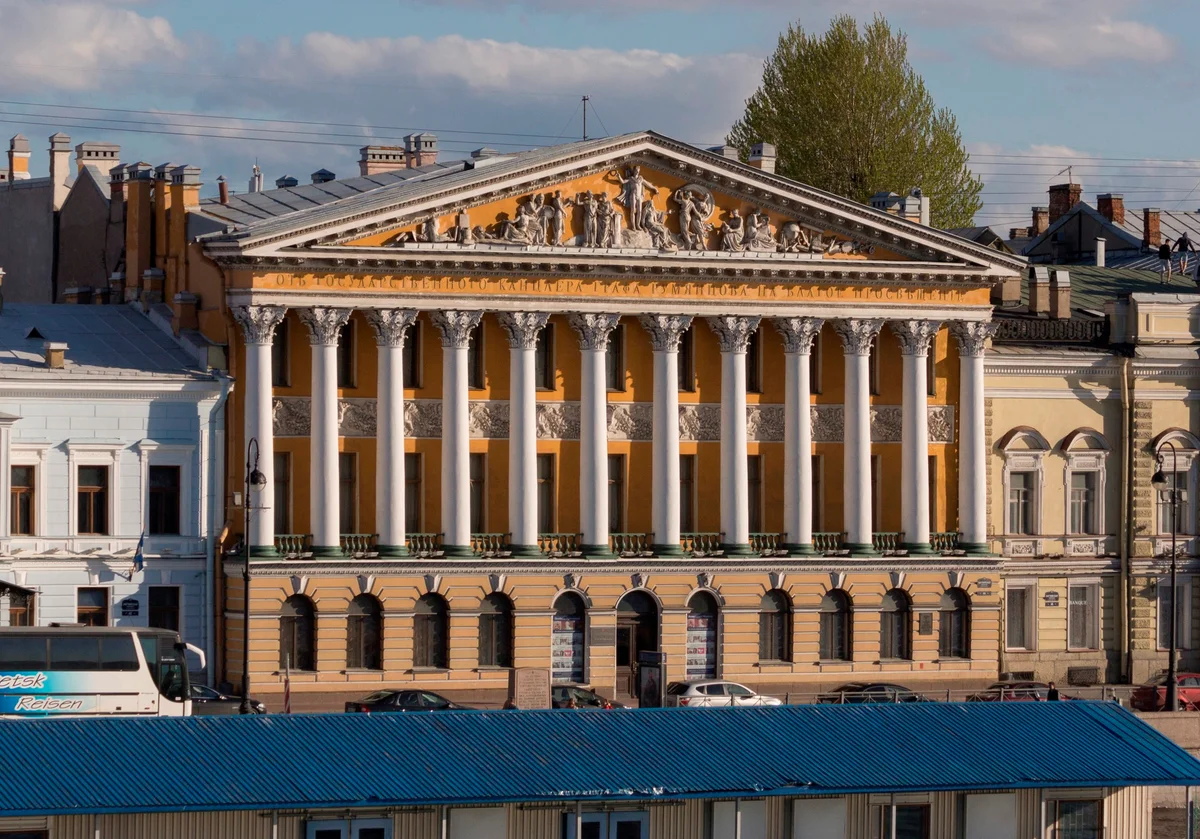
<point>558,544</point>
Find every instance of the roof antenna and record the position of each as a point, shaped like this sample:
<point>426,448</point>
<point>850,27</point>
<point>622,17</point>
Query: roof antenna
<point>1070,180</point>
<point>585,101</point>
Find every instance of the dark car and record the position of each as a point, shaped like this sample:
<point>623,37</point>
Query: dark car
<point>561,696</point>
<point>1015,692</point>
<point>388,701</point>
<point>870,692</point>
<point>1152,696</point>
<point>207,702</point>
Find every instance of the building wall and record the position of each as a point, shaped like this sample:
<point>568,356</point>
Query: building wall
<point>89,244</point>
<point>27,248</point>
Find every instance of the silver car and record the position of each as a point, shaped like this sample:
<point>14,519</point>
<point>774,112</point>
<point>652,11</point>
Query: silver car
<point>714,693</point>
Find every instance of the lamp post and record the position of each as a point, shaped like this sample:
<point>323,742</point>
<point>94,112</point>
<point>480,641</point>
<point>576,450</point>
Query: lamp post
<point>255,481</point>
<point>1162,485</point>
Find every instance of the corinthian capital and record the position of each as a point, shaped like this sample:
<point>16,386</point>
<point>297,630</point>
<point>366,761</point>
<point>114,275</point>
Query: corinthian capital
<point>391,325</point>
<point>522,328</point>
<point>665,330</point>
<point>734,331</point>
<point>915,336</point>
<point>798,333</point>
<point>258,322</point>
<point>972,335</point>
<point>456,326</point>
<point>857,334</point>
<point>593,329</point>
<point>324,324</point>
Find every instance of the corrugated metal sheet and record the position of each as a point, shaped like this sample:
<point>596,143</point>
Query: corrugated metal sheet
<point>352,760</point>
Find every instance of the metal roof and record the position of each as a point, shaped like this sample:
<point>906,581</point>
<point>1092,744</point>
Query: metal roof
<point>455,757</point>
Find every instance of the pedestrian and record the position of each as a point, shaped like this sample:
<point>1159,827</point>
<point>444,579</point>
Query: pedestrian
<point>1052,693</point>
<point>1164,261</point>
<point>1183,246</point>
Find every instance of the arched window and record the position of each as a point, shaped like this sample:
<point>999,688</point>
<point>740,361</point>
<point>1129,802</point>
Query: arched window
<point>1024,451</point>
<point>955,630</point>
<point>568,645</point>
<point>495,631</point>
<point>702,636</point>
<point>775,627</point>
<point>297,630</point>
<point>364,631</point>
<point>430,632</point>
<point>895,626</point>
<point>836,631</point>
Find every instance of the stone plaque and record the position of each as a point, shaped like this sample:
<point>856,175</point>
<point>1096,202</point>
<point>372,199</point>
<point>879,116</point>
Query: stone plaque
<point>602,636</point>
<point>925,623</point>
<point>529,688</point>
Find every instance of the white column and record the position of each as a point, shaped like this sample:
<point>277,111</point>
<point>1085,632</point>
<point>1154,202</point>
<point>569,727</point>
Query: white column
<point>391,331</point>
<point>798,336</point>
<point>916,338</point>
<point>456,328</point>
<point>324,325</point>
<point>594,331</point>
<point>665,332</point>
<point>522,329</point>
<point>972,447</point>
<point>734,333</point>
<point>857,335</point>
<point>258,329</point>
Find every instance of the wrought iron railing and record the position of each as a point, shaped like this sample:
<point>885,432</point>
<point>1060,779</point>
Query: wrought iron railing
<point>1073,330</point>
<point>827,542</point>
<point>558,544</point>
<point>488,544</point>
<point>943,542</point>
<point>293,544</point>
<point>887,540</point>
<point>623,544</point>
<point>706,543</point>
<point>423,544</point>
<point>357,543</point>
<point>767,544</point>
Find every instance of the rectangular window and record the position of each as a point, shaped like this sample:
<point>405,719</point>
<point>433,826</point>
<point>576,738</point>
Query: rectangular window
<point>911,821</point>
<point>91,607</point>
<point>1168,511</point>
<point>686,360</point>
<point>876,491</point>
<point>162,611</point>
<point>614,359</point>
<point>22,609</point>
<point>545,493</point>
<point>282,492</point>
<point>1019,605</point>
<point>687,493</point>
<point>1083,502</point>
<point>345,355</point>
<point>1083,616</point>
<point>93,499</point>
<point>412,493</point>
<point>412,356</point>
<point>279,356</point>
<point>164,500</point>
<point>477,464</point>
<point>1183,611</point>
<point>348,492</point>
<point>20,514</point>
<point>933,493</point>
<point>754,491</point>
<point>754,363</point>
<point>616,493</point>
<point>873,367</point>
<point>1076,819</point>
<point>818,500</point>
<point>475,372</point>
<point>814,365</point>
<point>1020,503</point>
<point>543,359</point>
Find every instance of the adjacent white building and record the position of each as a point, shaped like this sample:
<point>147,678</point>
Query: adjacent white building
<point>108,431</point>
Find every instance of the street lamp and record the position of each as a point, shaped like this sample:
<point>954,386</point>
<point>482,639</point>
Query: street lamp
<point>1162,485</point>
<point>256,481</point>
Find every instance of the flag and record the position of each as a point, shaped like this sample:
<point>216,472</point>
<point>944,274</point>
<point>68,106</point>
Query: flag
<point>287,686</point>
<point>139,561</point>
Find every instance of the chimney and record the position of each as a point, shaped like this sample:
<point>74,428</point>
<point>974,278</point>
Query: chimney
<point>1151,231</point>
<point>103,156</point>
<point>762,156</point>
<point>139,221</point>
<point>184,312</point>
<point>116,195</point>
<point>484,153</point>
<point>915,207</point>
<point>1101,247</point>
<point>1112,206</point>
<point>1041,222</point>
<point>256,180</point>
<point>222,189</point>
<point>285,182</point>
<point>60,167</point>
<point>55,354</point>
<point>375,159</point>
<point>420,150</point>
<point>162,204</point>
<point>1039,290</point>
<point>730,152</point>
<point>323,176</point>
<point>889,202</point>
<point>1060,293</point>
<point>1062,198</point>
<point>18,159</point>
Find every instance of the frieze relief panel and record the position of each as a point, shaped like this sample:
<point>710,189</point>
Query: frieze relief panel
<point>628,421</point>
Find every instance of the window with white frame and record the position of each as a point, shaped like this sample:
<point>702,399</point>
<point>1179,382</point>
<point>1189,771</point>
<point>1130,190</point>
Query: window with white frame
<point>1083,616</point>
<point>1024,451</point>
<point>1086,452</point>
<point>26,487</point>
<point>94,485</point>
<point>169,505</point>
<point>1020,614</point>
<point>1179,467</point>
<point>1183,612</point>
<point>349,829</point>
<point>1022,489</point>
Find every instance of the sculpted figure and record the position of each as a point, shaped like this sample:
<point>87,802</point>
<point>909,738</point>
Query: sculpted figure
<point>794,239</point>
<point>428,231</point>
<point>524,228</point>
<point>687,210</point>
<point>758,232</point>
<point>558,216</point>
<point>732,232</point>
<point>591,210</point>
<point>633,189</point>
<point>540,219</point>
<point>611,237</point>
<point>652,223</point>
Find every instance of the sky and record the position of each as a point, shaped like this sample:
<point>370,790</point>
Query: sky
<point>299,85</point>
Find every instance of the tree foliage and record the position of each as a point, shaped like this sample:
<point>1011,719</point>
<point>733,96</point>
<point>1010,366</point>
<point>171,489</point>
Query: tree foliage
<point>848,114</point>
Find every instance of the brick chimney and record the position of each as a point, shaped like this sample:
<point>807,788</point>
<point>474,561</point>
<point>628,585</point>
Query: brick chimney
<point>104,156</point>
<point>116,194</point>
<point>139,221</point>
<point>60,167</point>
<point>1041,221</point>
<point>375,159</point>
<point>1039,290</point>
<point>1062,198</point>
<point>1060,293</point>
<point>161,206</point>
<point>18,159</point>
<point>1151,227</point>
<point>762,156</point>
<point>420,150</point>
<point>1112,206</point>
<point>185,187</point>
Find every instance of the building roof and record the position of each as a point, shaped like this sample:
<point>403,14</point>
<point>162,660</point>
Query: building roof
<point>102,341</point>
<point>456,757</point>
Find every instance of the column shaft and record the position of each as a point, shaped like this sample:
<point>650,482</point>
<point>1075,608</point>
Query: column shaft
<point>456,328</point>
<point>857,336</point>
<point>734,333</point>
<point>522,454</point>
<point>324,327</point>
<point>594,331</point>
<point>798,336</point>
<point>665,333</point>
<point>391,328</point>
<point>916,339</point>
<point>258,330</point>
<point>972,445</point>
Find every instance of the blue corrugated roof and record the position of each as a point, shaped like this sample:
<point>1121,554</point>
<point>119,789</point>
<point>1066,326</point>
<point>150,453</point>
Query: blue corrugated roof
<point>357,760</point>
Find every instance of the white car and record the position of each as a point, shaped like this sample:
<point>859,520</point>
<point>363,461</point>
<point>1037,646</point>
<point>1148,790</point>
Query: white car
<point>714,693</point>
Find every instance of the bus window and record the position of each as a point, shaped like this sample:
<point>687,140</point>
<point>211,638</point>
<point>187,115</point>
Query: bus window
<point>117,653</point>
<point>149,649</point>
<point>172,674</point>
<point>18,653</point>
<point>74,652</point>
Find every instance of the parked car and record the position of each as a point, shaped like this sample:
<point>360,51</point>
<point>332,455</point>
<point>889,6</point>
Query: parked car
<point>1152,696</point>
<point>389,701</point>
<point>1015,692</point>
<point>855,693</point>
<point>561,696</point>
<point>714,693</point>
<point>208,702</point>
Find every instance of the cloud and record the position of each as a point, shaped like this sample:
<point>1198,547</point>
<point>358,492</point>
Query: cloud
<point>1083,44</point>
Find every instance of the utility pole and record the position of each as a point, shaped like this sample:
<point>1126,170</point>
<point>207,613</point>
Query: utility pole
<point>585,101</point>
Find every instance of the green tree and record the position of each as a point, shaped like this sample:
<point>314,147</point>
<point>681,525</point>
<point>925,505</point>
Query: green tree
<point>848,114</point>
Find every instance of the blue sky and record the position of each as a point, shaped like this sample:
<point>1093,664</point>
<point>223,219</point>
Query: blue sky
<point>1105,84</point>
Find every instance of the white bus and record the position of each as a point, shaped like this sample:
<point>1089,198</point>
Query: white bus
<point>92,671</point>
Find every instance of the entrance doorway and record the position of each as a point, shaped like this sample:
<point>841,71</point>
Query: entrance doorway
<point>637,631</point>
<point>609,826</point>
